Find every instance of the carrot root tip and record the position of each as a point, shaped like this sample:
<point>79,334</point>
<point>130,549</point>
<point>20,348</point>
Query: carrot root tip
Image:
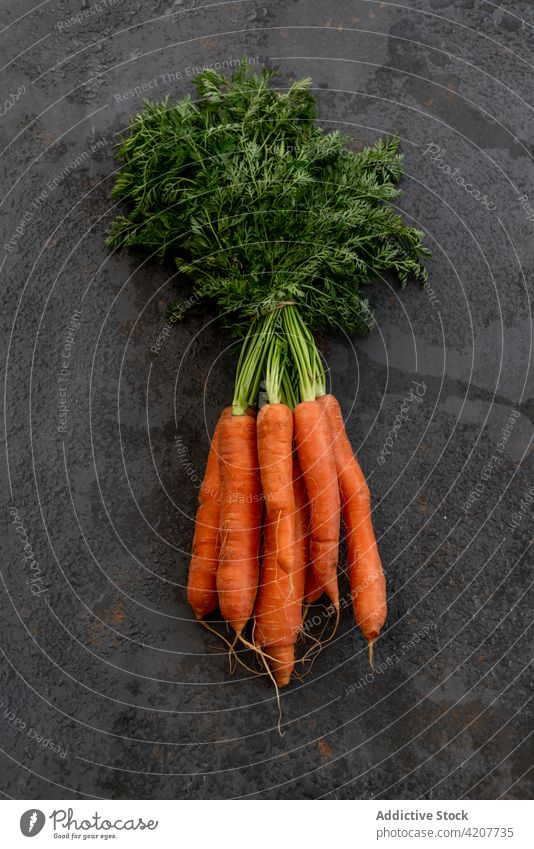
<point>370,647</point>
<point>263,658</point>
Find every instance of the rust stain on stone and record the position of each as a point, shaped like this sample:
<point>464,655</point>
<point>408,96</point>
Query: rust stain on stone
<point>324,750</point>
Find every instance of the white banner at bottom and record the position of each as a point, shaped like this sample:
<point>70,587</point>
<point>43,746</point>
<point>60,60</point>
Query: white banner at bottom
<point>262,824</point>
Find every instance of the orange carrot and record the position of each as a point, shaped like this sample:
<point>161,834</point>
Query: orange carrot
<point>275,453</point>
<point>313,590</point>
<point>316,459</point>
<point>367,580</point>
<point>202,581</point>
<point>240,519</point>
<point>278,612</point>
<point>302,531</point>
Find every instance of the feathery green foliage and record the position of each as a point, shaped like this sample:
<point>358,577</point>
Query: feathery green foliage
<point>257,205</point>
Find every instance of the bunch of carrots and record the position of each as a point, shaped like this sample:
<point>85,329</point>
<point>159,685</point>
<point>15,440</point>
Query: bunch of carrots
<point>266,540</point>
<point>283,226</point>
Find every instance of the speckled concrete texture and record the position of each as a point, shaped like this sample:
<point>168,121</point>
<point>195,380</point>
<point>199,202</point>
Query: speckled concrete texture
<point>107,687</point>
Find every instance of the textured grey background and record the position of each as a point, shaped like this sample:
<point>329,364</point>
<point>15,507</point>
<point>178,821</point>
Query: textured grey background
<point>102,659</point>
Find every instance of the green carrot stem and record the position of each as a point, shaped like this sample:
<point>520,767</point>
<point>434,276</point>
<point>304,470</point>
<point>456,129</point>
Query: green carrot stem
<point>274,371</point>
<point>289,396</point>
<point>251,362</point>
<point>300,353</point>
<point>280,348</point>
<point>307,362</point>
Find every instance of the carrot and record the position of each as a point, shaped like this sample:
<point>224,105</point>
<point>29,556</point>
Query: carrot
<point>278,612</point>
<point>240,519</point>
<point>313,590</point>
<point>303,569</point>
<point>367,580</point>
<point>276,622</point>
<point>202,581</point>
<point>318,466</point>
<point>302,529</point>
<point>275,453</point>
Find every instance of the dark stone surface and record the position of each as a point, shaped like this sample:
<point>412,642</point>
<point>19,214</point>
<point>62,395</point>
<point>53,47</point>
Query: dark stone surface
<point>104,660</point>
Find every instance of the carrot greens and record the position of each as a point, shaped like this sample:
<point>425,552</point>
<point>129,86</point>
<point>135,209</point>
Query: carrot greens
<point>259,206</point>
